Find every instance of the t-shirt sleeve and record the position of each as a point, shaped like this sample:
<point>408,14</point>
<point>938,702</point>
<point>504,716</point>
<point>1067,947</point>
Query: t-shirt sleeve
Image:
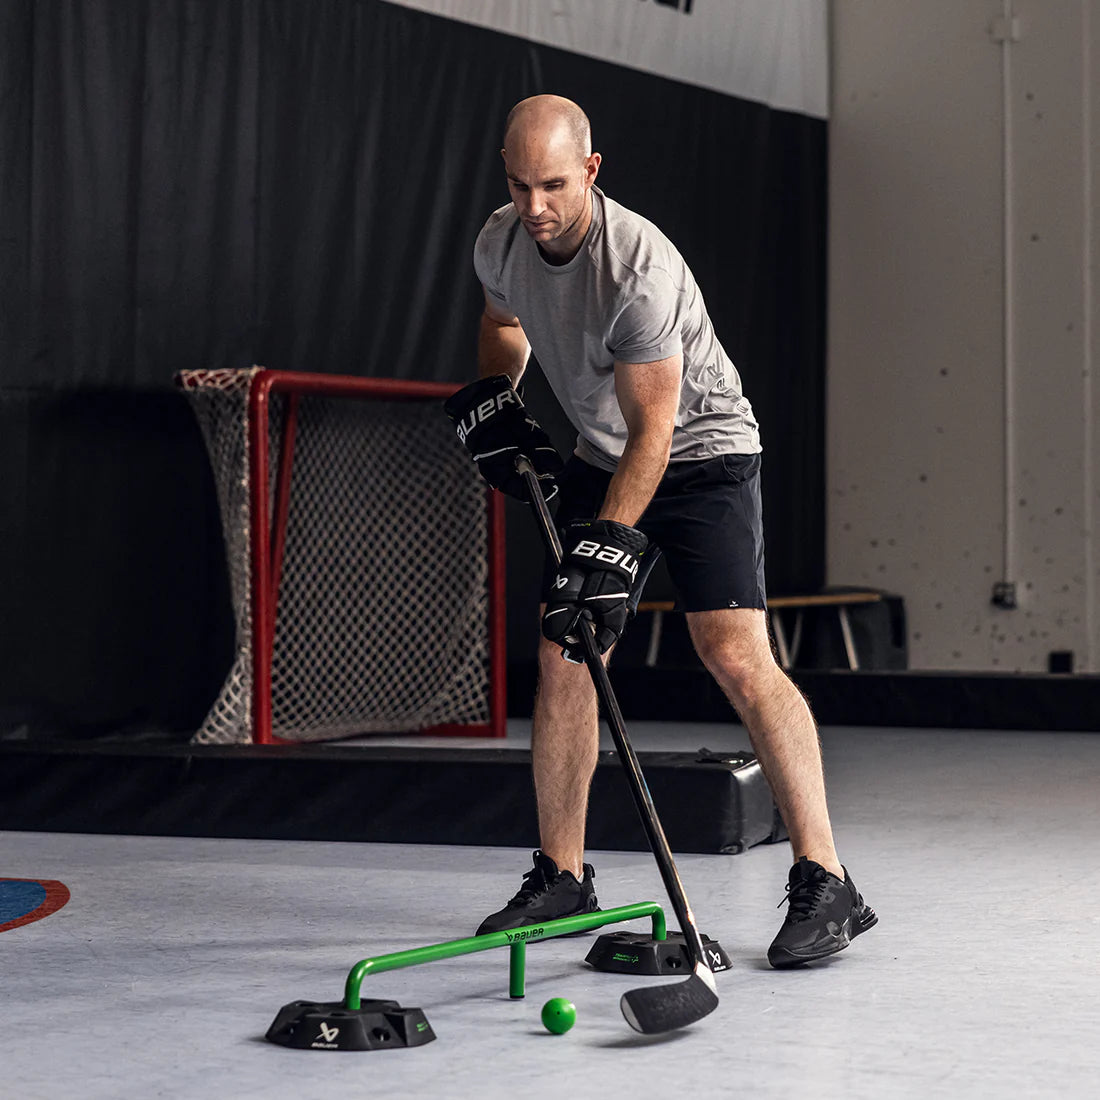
<point>488,271</point>
<point>648,326</point>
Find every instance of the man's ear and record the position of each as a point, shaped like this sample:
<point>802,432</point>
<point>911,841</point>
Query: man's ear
<point>592,169</point>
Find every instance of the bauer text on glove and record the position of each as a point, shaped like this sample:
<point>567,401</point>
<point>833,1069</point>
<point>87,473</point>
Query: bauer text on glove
<point>597,581</point>
<point>496,429</point>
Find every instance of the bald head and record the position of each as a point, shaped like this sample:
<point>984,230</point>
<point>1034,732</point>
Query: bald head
<point>551,168</point>
<point>551,121</point>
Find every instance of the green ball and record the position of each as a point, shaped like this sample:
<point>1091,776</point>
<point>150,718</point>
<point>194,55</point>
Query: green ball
<point>559,1015</point>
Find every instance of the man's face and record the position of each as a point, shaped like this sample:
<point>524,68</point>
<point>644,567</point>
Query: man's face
<point>549,184</point>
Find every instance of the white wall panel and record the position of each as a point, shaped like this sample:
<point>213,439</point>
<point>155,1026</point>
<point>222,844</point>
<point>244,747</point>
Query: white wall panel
<point>918,472</point>
<point>769,51</point>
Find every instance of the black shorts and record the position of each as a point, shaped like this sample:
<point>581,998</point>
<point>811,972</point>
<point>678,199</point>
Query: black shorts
<point>705,518</point>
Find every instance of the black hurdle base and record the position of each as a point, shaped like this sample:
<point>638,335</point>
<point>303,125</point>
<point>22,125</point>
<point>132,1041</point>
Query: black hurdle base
<point>375,1025</point>
<point>636,953</point>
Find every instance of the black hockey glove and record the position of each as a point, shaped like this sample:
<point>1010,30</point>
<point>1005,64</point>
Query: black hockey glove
<point>496,429</point>
<point>597,580</point>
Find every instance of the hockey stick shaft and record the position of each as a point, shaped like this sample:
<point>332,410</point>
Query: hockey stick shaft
<point>639,789</point>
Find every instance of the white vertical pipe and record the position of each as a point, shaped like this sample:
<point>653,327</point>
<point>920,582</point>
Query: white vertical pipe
<point>1009,308</point>
<point>1089,305</point>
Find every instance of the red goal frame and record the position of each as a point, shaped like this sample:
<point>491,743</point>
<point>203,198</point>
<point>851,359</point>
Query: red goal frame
<point>268,530</point>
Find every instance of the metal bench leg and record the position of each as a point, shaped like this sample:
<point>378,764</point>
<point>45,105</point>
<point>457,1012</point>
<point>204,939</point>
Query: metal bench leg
<point>780,639</point>
<point>796,635</point>
<point>849,643</point>
<point>654,639</point>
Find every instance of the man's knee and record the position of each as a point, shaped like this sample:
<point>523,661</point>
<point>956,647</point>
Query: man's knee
<point>739,668</point>
<point>556,673</point>
<point>736,653</point>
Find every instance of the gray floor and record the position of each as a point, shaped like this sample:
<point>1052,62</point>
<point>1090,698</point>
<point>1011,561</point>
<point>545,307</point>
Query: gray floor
<point>977,849</point>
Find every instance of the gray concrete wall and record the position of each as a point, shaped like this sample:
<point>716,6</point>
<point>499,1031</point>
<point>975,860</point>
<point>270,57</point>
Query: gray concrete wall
<point>964,424</point>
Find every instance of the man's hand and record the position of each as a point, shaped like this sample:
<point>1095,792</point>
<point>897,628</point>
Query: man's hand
<point>596,579</point>
<point>496,429</point>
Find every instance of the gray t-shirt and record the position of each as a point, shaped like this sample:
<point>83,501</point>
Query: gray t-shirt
<point>628,296</point>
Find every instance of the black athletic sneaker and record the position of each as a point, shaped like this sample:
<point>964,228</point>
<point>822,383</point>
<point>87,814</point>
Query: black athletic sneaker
<point>546,894</point>
<point>823,917</point>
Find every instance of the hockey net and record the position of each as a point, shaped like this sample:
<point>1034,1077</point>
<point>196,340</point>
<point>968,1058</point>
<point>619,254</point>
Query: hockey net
<point>365,559</point>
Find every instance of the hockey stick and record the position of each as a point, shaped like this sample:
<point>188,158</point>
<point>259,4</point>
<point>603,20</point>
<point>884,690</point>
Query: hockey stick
<point>651,1009</point>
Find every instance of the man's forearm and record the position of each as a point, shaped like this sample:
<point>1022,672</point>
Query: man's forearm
<point>501,349</point>
<point>640,470</point>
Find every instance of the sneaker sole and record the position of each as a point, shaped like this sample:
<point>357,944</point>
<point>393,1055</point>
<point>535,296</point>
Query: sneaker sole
<point>785,960</point>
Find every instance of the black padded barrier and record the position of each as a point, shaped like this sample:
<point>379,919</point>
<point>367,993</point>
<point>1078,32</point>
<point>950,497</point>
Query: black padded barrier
<point>480,796</point>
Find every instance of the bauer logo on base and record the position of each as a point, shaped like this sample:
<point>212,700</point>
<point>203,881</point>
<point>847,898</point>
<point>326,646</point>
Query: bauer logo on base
<point>327,1039</point>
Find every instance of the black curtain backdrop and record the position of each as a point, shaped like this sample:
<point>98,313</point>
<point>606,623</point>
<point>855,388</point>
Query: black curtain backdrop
<point>299,185</point>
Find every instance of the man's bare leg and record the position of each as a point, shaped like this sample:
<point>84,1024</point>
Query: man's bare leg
<point>564,750</point>
<point>734,646</point>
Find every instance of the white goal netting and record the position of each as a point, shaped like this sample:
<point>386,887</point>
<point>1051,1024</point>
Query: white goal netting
<point>382,605</point>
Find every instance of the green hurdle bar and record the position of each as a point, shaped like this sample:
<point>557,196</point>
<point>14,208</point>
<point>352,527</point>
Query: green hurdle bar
<point>516,939</point>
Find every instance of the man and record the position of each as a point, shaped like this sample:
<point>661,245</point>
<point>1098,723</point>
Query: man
<point>667,457</point>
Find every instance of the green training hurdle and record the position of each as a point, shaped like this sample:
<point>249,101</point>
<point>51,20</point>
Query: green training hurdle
<point>516,939</point>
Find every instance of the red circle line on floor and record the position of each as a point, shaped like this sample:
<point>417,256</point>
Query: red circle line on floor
<point>23,900</point>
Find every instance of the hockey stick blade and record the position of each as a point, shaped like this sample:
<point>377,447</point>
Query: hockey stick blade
<point>655,1009</point>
